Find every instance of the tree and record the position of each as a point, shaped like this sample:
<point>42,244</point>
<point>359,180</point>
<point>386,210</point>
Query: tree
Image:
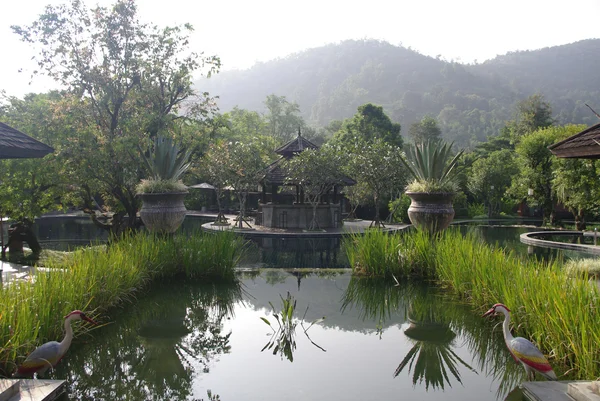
<point>533,113</point>
<point>491,176</point>
<point>377,166</point>
<point>369,123</point>
<point>535,163</point>
<point>31,187</point>
<point>576,182</point>
<point>126,81</point>
<point>245,166</point>
<point>216,165</point>
<point>357,195</point>
<point>283,118</point>
<point>425,130</point>
<point>316,171</point>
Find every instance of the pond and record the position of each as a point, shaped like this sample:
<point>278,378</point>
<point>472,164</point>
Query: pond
<point>69,232</point>
<point>377,341</point>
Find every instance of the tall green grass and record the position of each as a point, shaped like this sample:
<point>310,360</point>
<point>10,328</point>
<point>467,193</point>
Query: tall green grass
<point>558,312</point>
<point>96,279</point>
<point>381,254</point>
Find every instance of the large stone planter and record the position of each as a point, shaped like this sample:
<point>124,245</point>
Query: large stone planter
<point>163,212</point>
<point>431,211</point>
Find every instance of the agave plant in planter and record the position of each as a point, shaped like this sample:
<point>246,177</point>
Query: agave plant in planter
<point>163,193</point>
<point>434,170</point>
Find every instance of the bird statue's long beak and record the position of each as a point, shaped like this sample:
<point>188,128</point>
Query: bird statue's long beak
<point>87,319</point>
<point>489,312</point>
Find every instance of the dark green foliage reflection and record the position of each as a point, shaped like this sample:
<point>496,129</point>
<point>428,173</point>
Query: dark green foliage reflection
<point>156,348</point>
<point>434,322</point>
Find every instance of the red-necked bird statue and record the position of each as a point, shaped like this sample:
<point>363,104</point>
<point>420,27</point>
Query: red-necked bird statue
<point>522,350</point>
<point>49,354</point>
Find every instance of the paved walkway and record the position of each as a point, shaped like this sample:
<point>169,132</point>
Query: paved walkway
<point>250,229</point>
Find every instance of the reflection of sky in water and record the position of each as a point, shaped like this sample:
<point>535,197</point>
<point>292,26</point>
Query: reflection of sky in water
<point>147,354</point>
<point>359,363</point>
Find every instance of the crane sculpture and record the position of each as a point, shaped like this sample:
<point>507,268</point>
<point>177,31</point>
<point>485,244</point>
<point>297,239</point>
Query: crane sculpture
<point>49,354</point>
<point>522,350</point>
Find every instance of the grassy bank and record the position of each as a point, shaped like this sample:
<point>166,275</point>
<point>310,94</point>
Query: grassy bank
<point>96,279</point>
<point>558,312</point>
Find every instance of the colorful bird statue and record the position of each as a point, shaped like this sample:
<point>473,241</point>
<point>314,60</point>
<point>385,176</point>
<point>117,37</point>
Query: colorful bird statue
<point>522,350</point>
<point>49,354</point>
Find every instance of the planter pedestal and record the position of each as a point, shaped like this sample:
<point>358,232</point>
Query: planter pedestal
<point>431,211</point>
<point>163,212</point>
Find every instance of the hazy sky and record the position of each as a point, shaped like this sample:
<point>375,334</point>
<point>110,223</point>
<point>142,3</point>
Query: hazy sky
<point>243,32</point>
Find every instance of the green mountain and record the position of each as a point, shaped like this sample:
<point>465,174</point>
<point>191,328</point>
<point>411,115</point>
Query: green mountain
<point>470,102</point>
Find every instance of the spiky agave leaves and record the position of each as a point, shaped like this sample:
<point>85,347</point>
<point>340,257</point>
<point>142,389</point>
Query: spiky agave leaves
<point>432,166</point>
<point>167,161</point>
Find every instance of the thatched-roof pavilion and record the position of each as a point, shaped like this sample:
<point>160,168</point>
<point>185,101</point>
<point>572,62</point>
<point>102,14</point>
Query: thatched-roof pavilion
<point>16,145</point>
<point>584,145</point>
<point>286,208</point>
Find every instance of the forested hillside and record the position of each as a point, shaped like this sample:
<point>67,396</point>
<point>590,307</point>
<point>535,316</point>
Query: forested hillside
<point>470,102</point>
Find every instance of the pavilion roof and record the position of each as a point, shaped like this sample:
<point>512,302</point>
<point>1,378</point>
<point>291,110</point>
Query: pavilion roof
<point>295,145</point>
<point>16,145</point>
<point>584,145</point>
<point>275,173</point>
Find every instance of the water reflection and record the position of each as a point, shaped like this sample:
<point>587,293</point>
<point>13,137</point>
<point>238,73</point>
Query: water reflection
<point>431,355</point>
<point>156,348</point>
<point>183,340</point>
<point>434,323</point>
<point>294,252</point>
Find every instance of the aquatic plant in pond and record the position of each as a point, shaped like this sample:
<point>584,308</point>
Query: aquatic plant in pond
<point>378,253</point>
<point>557,312</point>
<point>96,279</point>
<point>283,340</point>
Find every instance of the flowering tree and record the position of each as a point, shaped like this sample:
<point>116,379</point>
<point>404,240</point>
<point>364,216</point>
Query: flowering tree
<point>216,164</point>
<point>378,166</point>
<point>244,168</point>
<point>316,171</point>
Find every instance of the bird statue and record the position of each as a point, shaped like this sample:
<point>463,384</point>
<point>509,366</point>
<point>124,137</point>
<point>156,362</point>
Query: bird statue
<point>49,354</point>
<point>522,350</point>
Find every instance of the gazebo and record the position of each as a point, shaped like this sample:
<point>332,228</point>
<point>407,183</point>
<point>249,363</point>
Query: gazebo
<point>282,204</point>
<point>16,145</point>
<point>584,145</point>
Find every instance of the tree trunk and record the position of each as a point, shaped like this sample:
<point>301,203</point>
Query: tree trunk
<point>579,220</point>
<point>21,232</point>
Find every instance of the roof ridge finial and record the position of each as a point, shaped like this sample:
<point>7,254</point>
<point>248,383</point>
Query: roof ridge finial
<point>299,133</point>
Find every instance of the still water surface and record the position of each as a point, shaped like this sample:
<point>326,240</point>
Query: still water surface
<point>377,342</point>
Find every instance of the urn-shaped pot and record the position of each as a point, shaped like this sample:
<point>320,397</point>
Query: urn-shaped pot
<point>431,211</point>
<point>163,212</point>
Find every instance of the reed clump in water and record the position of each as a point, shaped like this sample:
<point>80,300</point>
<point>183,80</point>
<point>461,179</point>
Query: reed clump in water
<point>99,278</point>
<point>558,312</point>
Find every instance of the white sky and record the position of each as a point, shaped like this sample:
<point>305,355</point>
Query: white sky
<point>243,32</point>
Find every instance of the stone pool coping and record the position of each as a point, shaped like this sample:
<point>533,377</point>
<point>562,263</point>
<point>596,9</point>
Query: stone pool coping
<point>561,391</point>
<point>527,238</point>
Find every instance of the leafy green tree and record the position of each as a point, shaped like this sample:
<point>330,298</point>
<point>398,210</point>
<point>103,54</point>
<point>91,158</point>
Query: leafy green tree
<point>126,80</point>
<point>31,187</point>
<point>491,176</point>
<point>245,167</point>
<point>369,123</point>
<point>425,130</point>
<point>316,171</point>
<point>216,168</point>
<point>536,168</point>
<point>533,113</point>
<point>357,195</point>
<point>283,118</point>
<point>377,165</point>
<point>576,183</point>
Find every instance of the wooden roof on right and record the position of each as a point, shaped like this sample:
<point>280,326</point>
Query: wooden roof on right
<point>584,145</point>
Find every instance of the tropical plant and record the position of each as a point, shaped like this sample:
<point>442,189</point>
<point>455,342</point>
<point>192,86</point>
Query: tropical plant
<point>165,164</point>
<point>432,166</point>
